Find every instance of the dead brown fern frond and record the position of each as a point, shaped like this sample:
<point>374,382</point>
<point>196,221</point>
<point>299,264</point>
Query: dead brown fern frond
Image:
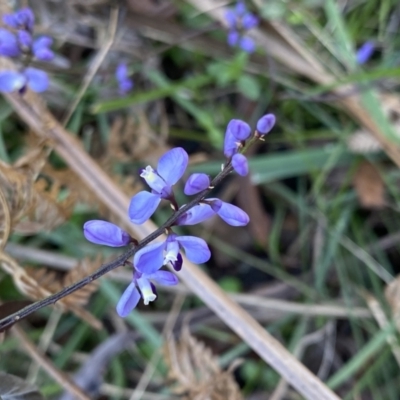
<point>37,283</point>
<point>33,205</point>
<point>195,371</point>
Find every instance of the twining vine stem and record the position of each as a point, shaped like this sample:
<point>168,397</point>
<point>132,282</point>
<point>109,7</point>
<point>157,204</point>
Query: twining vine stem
<point>120,260</point>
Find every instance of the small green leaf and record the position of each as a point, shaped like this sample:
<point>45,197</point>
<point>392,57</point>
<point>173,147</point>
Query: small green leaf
<point>249,87</point>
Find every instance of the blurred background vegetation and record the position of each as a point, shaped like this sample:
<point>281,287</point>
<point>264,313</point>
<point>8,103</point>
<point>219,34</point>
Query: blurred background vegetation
<point>317,264</point>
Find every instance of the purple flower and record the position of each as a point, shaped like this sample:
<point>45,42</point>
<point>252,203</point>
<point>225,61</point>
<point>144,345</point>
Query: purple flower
<point>249,21</point>
<point>24,39</point>
<point>265,124</point>
<point>365,52</point>
<point>247,44</point>
<point>33,78</point>
<point>22,19</point>
<point>8,44</point>
<point>196,183</point>
<point>239,129</point>
<point>231,214</point>
<point>142,287</point>
<point>152,257</point>
<point>121,75</point>
<point>239,21</point>
<point>41,48</point>
<point>237,132</point>
<point>170,169</point>
<point>105,233</point>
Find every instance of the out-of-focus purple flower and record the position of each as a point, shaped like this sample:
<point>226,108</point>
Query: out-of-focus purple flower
<point>170,169</point>
<point>11,81</point>
<point>239,21</point>
<point>247,44</point>
<point>21,19</point>
<point>249,21</point>
<point>265,124</point>
<point>105,233</point>
<point>125,84</point>
<point>9,46</point>
<point>24,39</point>
<point>33,78</point>
<point>196,183</point>
<point>142,286</point>
<point>152,257</point>
<point>365,52</point>
<point>41,48</point>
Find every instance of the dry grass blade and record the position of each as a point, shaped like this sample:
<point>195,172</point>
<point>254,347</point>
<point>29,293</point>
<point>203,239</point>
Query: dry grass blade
<point>195,370</point>
<point>39,283</point>
<point>62,378</point>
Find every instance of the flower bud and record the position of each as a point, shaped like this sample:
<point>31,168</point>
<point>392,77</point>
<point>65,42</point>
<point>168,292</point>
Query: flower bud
<point>196,183</point>
<point>265,124</point>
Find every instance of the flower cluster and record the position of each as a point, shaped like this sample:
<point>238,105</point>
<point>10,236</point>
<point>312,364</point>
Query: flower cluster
<point>236,135</point>
<point>125,84</point>
<point>239,22</point>
<point>17,42</point>
<point>149,260</point>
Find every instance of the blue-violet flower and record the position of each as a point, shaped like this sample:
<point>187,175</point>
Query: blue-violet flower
<point>239,21</point>
<point>142,286</point>
<point>105,233</point>
<point>170,169</point>
<point>365,52</point>
<point>125,84</point>
<point>151,257</point>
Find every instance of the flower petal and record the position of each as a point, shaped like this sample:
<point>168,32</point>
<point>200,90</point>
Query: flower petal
<point>38,81</point>
<point>196,183</point>
<point>121,73</point>
<point>231,214</point>
<point>41,48</point>
<point>247,44</point>
<point>142,206</point>
<point>128,301</point>
<point>365,52</point>
<point>233,38</point>
<point>231,144</point>
<point>105,233</point>
<point>240,165</point>
<point>195,215</point>
<point>196,249</point>
<point>165,278</point>
<point>24,38</point>
<point>8,44</point>
<point>146,289</point>
<point>265,124</point>
<point>239,129</point>
<point>230,18</point>
<point>150,258</point>
<point>11,81</point>
<point>249,21</point>
<point>25,18</point>
<point>172,165</point>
